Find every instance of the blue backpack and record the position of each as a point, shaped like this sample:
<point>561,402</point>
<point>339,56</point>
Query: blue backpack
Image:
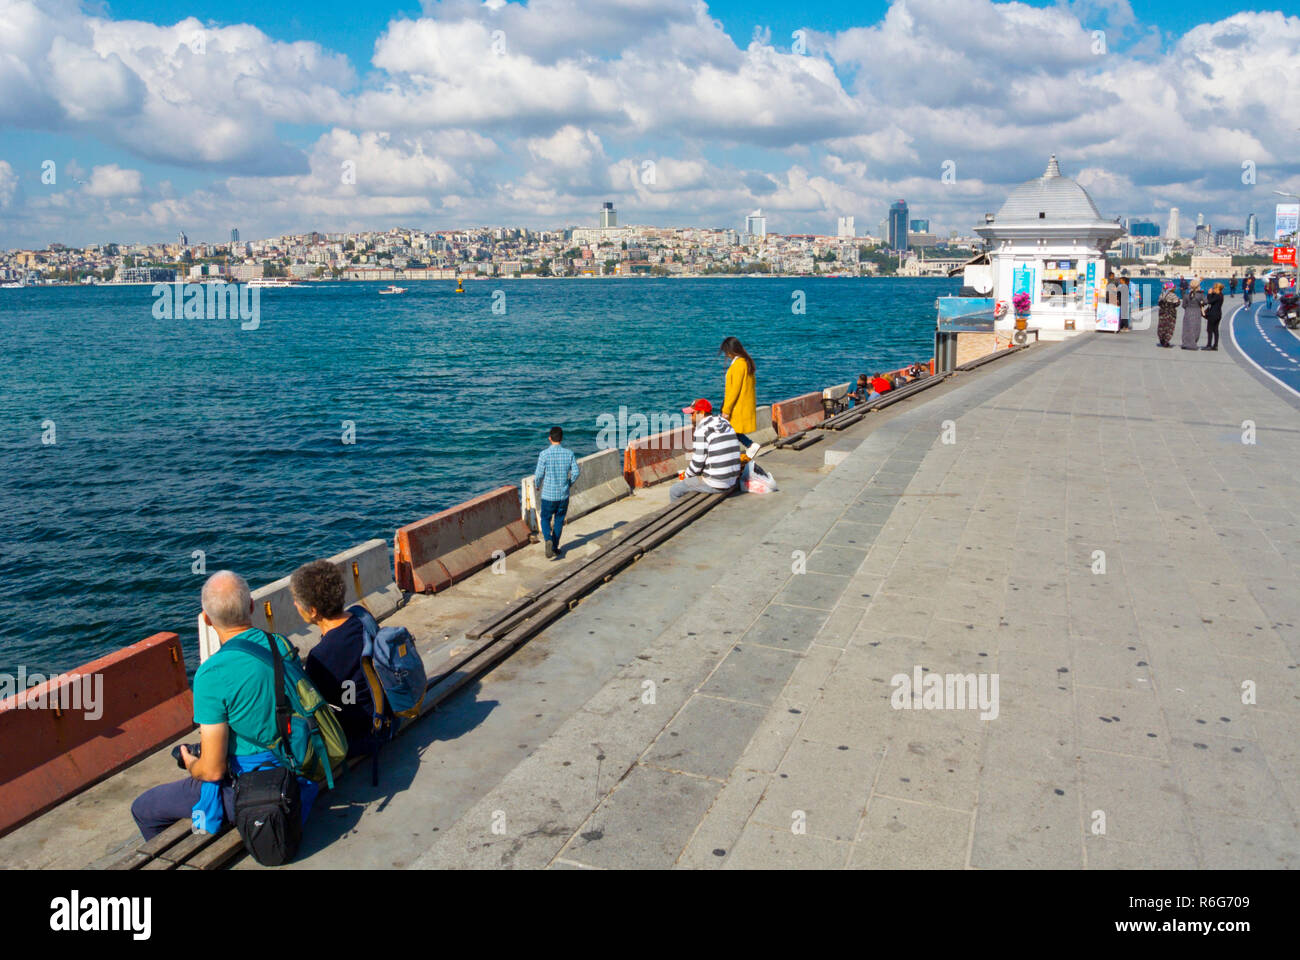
<point>389,652</point>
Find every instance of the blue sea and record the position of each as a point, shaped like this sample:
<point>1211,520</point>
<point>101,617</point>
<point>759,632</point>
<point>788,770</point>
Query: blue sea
<point>176,436</point>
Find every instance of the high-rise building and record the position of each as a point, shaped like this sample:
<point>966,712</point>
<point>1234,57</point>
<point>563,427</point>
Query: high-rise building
<point>184,240</point>
<point>1200,219</point>
<point>1229,239</point>
<point>1171,231</point>
<point>1204,232</point>
<point>756,224</point>
<point>898,225</point>
<point>608,215</point>
<point>234,235</point>
<point>1252,228</point>
<point>918,226</point>
<point>845,228</point>
<point>1143,228</point>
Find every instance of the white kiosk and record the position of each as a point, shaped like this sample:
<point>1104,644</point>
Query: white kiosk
<point>1049,241</point>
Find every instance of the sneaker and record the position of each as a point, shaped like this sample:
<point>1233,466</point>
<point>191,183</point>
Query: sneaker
<point>550,550</point>
<point>752,452</point>
<point>557,554</point>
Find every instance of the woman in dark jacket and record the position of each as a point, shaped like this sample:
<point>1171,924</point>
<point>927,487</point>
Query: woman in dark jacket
<point>1213,314</point>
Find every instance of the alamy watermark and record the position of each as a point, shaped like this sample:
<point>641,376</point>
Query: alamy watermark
<point>946,691</point>
<point>208,301</point>
<point>63,691</point>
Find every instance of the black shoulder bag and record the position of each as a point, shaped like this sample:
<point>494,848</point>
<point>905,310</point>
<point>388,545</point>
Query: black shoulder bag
<point>268,802</point>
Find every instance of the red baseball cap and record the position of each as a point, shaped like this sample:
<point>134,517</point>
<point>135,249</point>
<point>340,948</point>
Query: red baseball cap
<point>699,406</point>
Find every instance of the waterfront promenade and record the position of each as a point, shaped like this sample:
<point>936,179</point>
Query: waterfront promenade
<point>1122,738</point>
<point>713,708</point>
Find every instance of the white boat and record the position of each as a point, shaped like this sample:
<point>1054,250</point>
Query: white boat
<point>392,289</point>
<point>12,286</point>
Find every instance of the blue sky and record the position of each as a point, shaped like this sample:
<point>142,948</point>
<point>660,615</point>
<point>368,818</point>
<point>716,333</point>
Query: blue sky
<point>152,129</point>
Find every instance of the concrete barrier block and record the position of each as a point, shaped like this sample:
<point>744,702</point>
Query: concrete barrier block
<point>659,457</point>
<point>367,577</point>
<point>432,554</point>
<point>798,413</point>
<point>766,432</point>
<point>68,733</point>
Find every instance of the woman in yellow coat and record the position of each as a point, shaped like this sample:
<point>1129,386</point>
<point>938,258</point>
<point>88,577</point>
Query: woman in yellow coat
<point>740,406</point>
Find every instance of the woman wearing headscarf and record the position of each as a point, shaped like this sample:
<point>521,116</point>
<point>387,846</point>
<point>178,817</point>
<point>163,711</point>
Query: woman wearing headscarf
<point>1193,312</point>
<point>1213,314</point>
<point>1168,306</point>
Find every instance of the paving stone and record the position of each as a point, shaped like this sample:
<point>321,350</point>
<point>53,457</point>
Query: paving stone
<point>645,823</point>
<point>913,836</point>
<point>827,783</point>
<point>786,627</point>
<point>752,673</point>
<point>707,737</point>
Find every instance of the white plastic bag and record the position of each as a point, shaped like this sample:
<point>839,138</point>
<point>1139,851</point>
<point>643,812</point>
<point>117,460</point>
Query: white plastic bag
<point>754,479</point>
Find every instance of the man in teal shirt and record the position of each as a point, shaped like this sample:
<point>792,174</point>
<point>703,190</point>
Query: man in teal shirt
<point>234,706</point>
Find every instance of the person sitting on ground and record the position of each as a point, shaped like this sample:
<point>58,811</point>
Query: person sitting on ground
<point>557,469</point>
<point>862,391</point>
<point>916,371</point>
<point>334,664</point>
<point>879,384</point>
<point>715,464</point>
<point>234,706</point>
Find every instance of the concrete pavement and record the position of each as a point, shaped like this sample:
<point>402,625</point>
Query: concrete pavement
<point>1110,531</point>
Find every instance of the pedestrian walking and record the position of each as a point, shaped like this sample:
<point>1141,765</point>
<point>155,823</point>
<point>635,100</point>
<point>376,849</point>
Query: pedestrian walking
<point>557,469</point>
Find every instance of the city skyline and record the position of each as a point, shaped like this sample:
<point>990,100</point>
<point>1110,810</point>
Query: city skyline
<point>140,124</point>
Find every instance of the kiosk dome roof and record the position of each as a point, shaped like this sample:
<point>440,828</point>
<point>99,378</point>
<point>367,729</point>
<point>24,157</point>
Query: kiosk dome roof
<point>1050,197</point>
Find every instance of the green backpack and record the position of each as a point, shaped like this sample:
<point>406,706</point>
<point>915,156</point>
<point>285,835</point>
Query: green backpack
<point>309,739</point>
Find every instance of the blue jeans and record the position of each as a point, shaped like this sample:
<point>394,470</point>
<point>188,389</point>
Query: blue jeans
<point>1268,301</point>
<point>553,512</point>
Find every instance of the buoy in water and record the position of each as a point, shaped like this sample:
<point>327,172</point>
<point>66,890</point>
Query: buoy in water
<point>460,287</point>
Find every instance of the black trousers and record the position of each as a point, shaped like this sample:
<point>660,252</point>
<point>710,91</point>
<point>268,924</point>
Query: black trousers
<point>1212,333</point>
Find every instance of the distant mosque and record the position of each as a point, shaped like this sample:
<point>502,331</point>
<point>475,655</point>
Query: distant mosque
<point>1049,241</point>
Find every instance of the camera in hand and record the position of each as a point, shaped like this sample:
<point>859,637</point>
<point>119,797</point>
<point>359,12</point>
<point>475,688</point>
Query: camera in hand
<point>176,753</point>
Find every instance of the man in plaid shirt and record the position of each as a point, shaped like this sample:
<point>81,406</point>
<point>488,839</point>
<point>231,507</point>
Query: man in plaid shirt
<point>557,468</point>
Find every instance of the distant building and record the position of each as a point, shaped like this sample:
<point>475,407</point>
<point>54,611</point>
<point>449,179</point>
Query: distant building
<point>1204,232</point>
<point>608,215</point>
<point>756,224</point>
<point>1143,228</point>
<point>918,226</point>
<point>1172,231</point>
<point>144,275</point>
<point>845,228</point>
<point>1230,239</point>
<point>898,225</point>
<point>915,240</point>
<point>1211,265</point>
<point>1200,219</point>
<point>1252,228</point>
<point>184,240</point>
<point>234,235</point>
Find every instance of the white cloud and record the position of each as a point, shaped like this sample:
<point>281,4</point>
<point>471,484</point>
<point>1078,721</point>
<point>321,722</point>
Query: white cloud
<point>111,180</point>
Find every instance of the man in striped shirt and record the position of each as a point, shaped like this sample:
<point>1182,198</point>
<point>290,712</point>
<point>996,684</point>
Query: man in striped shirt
<point>715,465</point>
<point>557,468</point>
